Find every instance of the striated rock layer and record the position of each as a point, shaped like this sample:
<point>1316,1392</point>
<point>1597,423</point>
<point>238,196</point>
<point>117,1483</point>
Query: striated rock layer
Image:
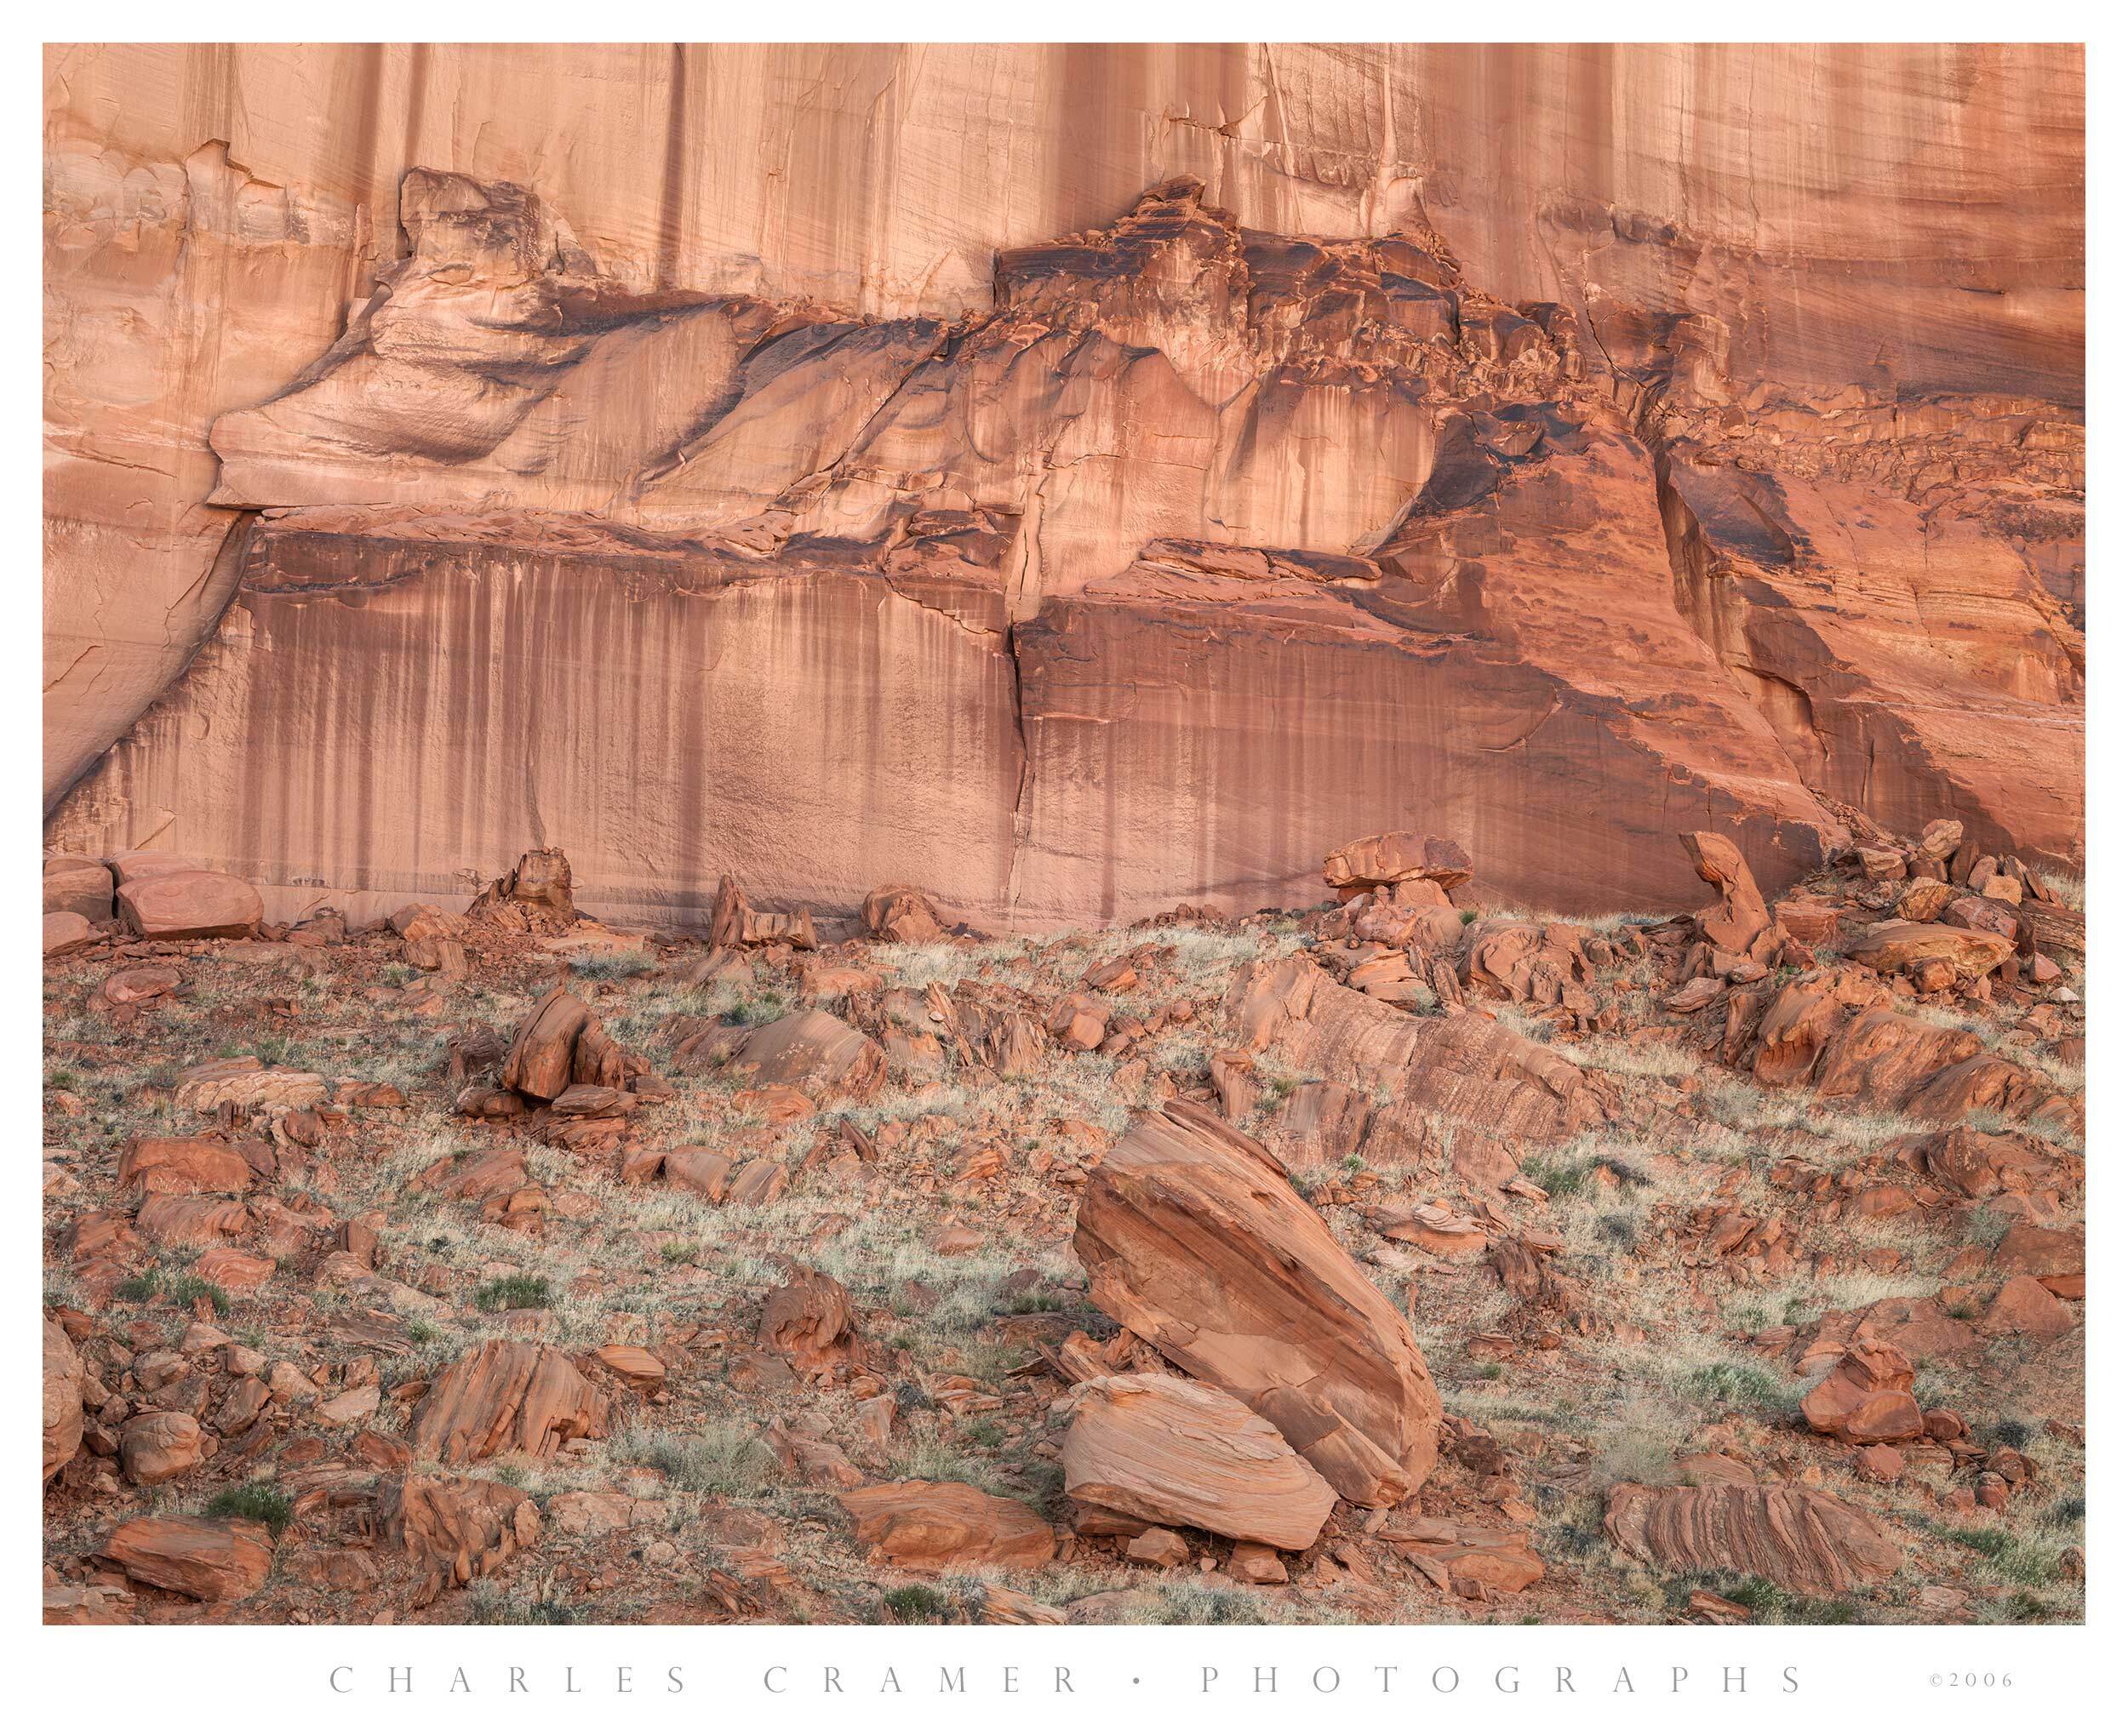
<point>1069,480</point>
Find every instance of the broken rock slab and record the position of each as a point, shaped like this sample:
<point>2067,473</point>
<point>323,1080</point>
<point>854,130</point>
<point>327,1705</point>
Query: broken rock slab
<point>1178,1452</point>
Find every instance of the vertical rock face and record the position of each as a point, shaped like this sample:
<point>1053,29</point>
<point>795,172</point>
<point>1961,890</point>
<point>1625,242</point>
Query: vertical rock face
<point>1220,453</point>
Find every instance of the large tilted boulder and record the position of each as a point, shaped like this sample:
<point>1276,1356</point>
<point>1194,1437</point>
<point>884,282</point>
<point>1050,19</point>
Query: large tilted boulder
<point>507,1396</point>
<point>1191,1237</point>
<point>1179,1453</point>
<point>1803,1539</point>
<point>542,1058</point>
<point>1740,918</point>
<point>561,1042</point>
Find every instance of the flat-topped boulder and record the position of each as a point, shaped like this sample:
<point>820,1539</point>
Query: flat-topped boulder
<point>190,904</point>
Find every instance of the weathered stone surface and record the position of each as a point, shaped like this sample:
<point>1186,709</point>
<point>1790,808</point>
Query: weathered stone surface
<point>80,884</point>
<point>1901,945</point>
<point>1464,1066</point>
<point>1177,1453</point>
<point>506,1396</point>
<point>901,913</point>
<point>1741,915</point>
<point>1548,625</point>
<point>461,1527</point>
<point>1492,1557</point>
<point>542,1055</point>
<point>216,1560</point>
<point>813,1051</point>
<point>169,1166</point>
<point>1801,1538</point>
<point>156,1446</point>
<point>1390,859</point>
<point>807,1320</point>
<point>65,932</point>
<point>62,1399</point>
<point>929,1527</point>
<point>1191,1237</point>
<point>1866,1397</point>
<point>190,905</point>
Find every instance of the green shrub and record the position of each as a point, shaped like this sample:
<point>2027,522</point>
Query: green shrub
<point>1737,1383</point>
<point>257,1501</point>
<point>914,1604</point>
<point>613,967</point>
<point>517,1292</point>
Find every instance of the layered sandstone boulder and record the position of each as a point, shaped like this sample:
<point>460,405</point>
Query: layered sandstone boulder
<point>1392,859</point>
<point>215,1561</point>
<point>460,1528</point>
<point>506,1396</point>
<point>1802,1539</point>
<point>807,1320</point>
<point>61,1400</point>
<point>80,884</point>
<point>1464,1066</point>
<point>929,1527</point>
<point>190,904</point>
<point>1175,1453</point>
<point>1192,1237</point>
<point>1865,1398</point>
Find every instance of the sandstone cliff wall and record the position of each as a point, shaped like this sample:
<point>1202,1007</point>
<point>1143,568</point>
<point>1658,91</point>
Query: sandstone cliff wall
<point>837,462</point>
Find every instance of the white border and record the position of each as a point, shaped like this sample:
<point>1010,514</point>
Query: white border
<point>209,1678</point>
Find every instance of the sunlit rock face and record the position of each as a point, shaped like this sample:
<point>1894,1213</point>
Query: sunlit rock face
<point>1074,481</point>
